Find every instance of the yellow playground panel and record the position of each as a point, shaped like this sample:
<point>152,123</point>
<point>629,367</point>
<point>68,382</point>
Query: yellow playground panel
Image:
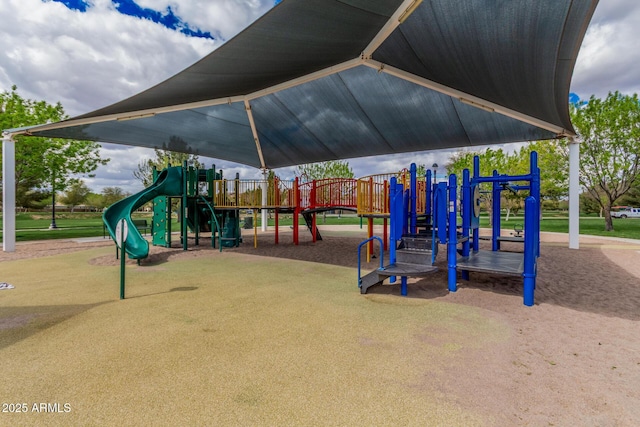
<point>373,193</point>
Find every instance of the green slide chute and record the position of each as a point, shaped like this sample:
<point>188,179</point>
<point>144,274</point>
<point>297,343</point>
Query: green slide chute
<point>168,183</point>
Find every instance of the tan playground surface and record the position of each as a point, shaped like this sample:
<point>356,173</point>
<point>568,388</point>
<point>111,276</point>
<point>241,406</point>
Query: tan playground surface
<point>279,335</point>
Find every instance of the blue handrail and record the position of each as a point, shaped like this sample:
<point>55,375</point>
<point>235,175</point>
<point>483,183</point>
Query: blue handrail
<point>381,256</point>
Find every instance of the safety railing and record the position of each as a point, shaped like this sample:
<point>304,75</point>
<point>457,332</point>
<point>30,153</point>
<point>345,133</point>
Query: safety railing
<point>373,193</point>
<point>247,194</point>
<point>368,195</point>
<point>339,192</point>
<point>381,256</point>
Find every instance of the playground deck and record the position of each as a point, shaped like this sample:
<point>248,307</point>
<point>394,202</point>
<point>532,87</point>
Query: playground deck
<point>407,269</point>
<point>509,263</point>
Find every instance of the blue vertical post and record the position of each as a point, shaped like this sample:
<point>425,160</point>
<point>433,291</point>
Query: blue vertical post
<point>476,175</point>
<point>429,197</point>
<point>452,237</point>
<point>403,206</point>
<point>495,214</point>
<point>466,216</point>
<point>393,223</point>
<point>530,244</point>
<point>405,211</point>
<point>535,193</point>
<point>413,198</point>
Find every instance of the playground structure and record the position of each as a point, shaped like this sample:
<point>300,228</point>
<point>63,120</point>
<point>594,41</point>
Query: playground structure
<point>209,203</point>
<point>495,261</point>
<point>418,216</point>
<point>191,188</point>
<point>414,251</point>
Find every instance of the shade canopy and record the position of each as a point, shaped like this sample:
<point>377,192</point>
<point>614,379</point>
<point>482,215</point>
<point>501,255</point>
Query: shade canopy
<point>316,80</point>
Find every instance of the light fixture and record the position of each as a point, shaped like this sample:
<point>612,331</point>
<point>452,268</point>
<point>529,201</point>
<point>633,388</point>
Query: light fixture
<point>412,7</point>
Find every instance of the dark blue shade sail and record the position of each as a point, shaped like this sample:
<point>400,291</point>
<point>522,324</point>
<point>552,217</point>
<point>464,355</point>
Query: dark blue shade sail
<point>316,80</point>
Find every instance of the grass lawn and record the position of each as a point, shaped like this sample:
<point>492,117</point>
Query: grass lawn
<point>628,228</point>
<point>35,226</point>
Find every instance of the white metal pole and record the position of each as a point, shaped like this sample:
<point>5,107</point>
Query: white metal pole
<point>8,193</point>
<point>265,187</point>
<point>574,194</point>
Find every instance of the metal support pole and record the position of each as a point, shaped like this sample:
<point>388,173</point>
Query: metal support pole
<point>534,191</point>
<point>53,225</point>
<point>277,225</point>
<point>183,206</point>
<point>8,193</point>
<point>413,198</point>
<point>466,217</point>
<point>495,214</point>
<point>429,198</point>
<point>475,244</point>
<point>393,229</point>
<point>296,210</point>
<point>452,238</point>
<point>265,188</point>
<point>529,274</point>
<point>369,236</point>
<point>574,194</point>
<point>123,244</point>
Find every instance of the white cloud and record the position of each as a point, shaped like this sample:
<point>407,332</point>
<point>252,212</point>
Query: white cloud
<point>88,60</point>
<point>609,58</point>
<point>119,171</point>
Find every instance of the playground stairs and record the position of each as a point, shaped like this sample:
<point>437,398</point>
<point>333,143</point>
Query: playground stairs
<point>413,259</point>
<point>423,224</point>
<point>308,219</point>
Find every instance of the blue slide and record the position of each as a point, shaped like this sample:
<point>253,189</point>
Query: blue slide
<point>168,183</point>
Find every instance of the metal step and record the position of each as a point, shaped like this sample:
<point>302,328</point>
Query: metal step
<point>405,269</point>
<point>371,279</point>
<point>377,277</point>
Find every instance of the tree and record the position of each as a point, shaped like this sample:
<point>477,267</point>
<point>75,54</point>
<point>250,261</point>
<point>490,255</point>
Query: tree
<point>588,204</point>
<point>110,195</point>
<point>95,200</point>
<point>323,170</point>
<point>76,194</point>
<point>329,169</point>
<point>164,158</point>
<point>554,167</point>
<point>490,160</point>
<point>44,163</point>
<point>632,197</point>
<point>609,135</point>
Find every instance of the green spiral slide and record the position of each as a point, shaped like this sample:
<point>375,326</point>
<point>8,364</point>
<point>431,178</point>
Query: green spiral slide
<point>168,183</point>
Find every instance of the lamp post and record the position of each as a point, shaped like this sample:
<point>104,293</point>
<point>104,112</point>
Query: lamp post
<point>435,168</point>
<point>53,225</point>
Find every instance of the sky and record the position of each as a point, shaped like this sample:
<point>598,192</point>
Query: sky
<point>87,54</point>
